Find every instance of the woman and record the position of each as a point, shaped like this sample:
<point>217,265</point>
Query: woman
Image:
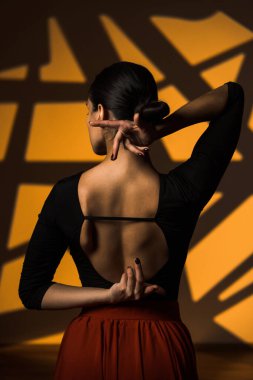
<point>128,228</point>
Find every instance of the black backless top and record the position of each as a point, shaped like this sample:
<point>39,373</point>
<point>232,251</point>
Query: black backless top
<point>184,191</point>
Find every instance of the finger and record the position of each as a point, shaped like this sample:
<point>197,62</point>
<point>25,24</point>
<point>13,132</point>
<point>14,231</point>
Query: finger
<point>123,280</point>
<point>120,137</point>
<point>154,285</point>
<point>130,281</point>
<point>143,148</point>
<point>133,148</point>
<point>136,118</point>
<point>106,123</point>
<point>139,279</point>
<point>116,141</point>
<point>150,289</point>
<point>161,290</point>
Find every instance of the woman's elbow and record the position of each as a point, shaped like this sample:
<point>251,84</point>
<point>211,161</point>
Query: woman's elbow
<point>238,91</point>
<point>26,296</point>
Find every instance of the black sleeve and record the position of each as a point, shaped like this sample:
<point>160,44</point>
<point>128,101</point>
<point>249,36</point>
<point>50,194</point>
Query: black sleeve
<point>45,250</point>
<point>198,177</point>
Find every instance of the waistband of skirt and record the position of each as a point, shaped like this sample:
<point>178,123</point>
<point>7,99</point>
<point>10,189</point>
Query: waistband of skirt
<point>136,309</point>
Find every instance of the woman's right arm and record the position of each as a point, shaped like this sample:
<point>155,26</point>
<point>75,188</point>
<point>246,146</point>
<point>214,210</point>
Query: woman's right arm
<point>45,250</point>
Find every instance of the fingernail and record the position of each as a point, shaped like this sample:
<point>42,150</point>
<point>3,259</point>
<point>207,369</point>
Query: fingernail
<point>137,260</point>
<point>145,149</point>
<point>112,158</point>
<point>140,154</point>
<point>91,122</point>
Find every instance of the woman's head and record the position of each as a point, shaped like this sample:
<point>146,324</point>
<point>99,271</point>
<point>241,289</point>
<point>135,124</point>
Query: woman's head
<point>118,92</point>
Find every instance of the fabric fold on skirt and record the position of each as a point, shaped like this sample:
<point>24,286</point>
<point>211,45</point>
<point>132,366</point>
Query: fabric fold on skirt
<point>132,340</point>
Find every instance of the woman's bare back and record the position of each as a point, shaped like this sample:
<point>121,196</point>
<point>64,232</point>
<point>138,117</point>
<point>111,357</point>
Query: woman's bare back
<point>112,245</point>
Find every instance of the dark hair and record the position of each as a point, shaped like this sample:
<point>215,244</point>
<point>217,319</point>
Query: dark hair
<point>126,88</point>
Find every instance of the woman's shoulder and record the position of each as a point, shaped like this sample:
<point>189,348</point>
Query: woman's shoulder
<point>64,189</point>
<point>70,178</point>
<point>66,182</point>
<point>64,200</point>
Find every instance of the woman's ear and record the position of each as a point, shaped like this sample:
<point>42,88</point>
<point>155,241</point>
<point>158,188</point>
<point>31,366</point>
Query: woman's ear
<point>97,137</point>
<point>96,134</point>
<point>100,112</point>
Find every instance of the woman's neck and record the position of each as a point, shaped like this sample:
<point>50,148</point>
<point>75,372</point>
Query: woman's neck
<point>127,159</point>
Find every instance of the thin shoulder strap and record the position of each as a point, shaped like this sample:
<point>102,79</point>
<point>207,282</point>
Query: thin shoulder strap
<point>93,217</point>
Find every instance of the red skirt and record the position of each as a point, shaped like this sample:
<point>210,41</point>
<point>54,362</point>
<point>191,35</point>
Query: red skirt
<point>132,340</point>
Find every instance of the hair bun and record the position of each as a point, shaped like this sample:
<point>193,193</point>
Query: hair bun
<point>154,111</point>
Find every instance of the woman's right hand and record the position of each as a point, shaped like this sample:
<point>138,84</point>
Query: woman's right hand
<point>137,135</point>
<point>132,286</point>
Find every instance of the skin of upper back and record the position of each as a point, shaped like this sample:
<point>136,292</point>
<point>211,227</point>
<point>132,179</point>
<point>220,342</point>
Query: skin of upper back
<point>112,245</point>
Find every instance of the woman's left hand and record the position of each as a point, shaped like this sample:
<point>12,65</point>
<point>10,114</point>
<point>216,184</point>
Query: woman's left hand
<point>136,135</point>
